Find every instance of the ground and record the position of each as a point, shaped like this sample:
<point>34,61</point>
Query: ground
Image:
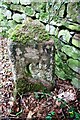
<point>60,104</point>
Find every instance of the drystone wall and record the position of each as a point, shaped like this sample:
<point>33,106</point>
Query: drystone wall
<point>61,20</point>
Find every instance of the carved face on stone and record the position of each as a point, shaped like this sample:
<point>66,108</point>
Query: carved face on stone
<point>39,60</point>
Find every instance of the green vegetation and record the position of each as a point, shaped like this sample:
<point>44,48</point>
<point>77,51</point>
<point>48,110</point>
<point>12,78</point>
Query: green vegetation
<point>50,115</point>
<point>24,86</point>
<point>29,32</point>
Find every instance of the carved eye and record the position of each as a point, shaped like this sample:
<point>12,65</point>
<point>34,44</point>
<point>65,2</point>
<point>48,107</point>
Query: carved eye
<point>37,63</point>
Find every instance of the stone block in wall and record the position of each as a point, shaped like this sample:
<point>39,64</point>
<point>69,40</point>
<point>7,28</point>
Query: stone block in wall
<point>74,65</point>
<point>51,29</point>
<point>73,11</point>
<point>39,6</point>
<point>71,52</point>
<point>76,40</point>
<point>29,11</point>
<point>18,17</point>
<point>18,8</point>
<point>64,35</point>
<point>25,2</point>
<point>32,53</point>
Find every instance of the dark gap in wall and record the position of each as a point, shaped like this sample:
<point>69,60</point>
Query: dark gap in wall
<point>16,11</point>
<point>44,23</point>
<point>65,11</point>
<point>76,47</point>
<point>33,17</point>
<point>73,22</point>
<point>70,41</point>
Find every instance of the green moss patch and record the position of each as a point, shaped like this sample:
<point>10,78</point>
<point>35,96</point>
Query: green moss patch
<point>23,86</point>
<point>30,31</point>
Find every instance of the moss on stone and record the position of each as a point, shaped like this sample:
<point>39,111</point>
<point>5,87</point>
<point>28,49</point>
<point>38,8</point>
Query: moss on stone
<point>19,8</point>
<point>23,86</point>
<point>30,31</point>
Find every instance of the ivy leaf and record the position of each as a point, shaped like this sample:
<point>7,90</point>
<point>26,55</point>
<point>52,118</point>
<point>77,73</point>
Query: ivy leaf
<point>77,115</point>
<point>71,112</point>
<point>48,118</point>
<point>52,113</point>
<point>19,113</point>
<point>36,95</point>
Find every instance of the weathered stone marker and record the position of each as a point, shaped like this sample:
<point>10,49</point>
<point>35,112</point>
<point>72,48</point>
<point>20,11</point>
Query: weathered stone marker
<point>32,53</point>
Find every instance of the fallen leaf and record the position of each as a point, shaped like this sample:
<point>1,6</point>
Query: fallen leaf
<point>29,116</point>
